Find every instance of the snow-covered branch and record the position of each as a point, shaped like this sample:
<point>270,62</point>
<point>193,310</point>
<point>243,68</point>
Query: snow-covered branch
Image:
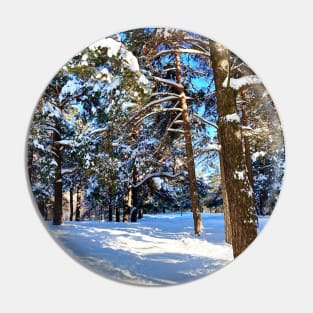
<point>98,130</point>
<point>151,104</point>
<point>159,174</point>
<point>51,128</point>
<point>65,142</point>
<point>198,40</point>
<point>237,83</point>
<point>176,130</point>
<point>156,112</point>
<point>68,171</point>
<point>180,51</point>
<point>75,97</point>
<point>204,120</point>
<point>169,82</point>
<point>155,94</point>
<point>209,148</point>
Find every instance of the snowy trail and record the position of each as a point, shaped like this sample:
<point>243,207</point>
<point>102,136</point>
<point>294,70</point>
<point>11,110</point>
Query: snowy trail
<point>158,250</point>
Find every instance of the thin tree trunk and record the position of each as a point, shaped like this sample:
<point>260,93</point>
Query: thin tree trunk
<point>117,214</point>
<point>239,192</point>
<point>78,199</point>
<point>57,207</point>
<point>225,205</point>
<point>110,204</point>
<point>127,205</point>
<point>30,163</point>
<point>71,204</point>
<point>194,198</point>
<point>133,217</point>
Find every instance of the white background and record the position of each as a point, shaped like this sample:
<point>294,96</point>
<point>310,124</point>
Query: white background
<point>274,38</point>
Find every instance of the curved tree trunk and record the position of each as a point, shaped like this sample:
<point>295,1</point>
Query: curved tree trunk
<point>239,192</point>
<point>194,198</point>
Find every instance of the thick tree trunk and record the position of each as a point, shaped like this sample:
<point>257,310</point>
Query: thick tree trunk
<point>194,199</point>
<point>71,204</point>
<point>239,192</point>
<point>78,200</point>
<point>57,207</point>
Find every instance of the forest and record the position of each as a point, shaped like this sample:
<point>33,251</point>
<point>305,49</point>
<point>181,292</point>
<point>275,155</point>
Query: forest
<point>157,121</point>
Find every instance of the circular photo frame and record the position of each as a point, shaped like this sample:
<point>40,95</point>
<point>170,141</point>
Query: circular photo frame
<point>155,156</point>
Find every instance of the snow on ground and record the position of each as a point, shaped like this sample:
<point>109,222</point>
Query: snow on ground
<point>157,250</point>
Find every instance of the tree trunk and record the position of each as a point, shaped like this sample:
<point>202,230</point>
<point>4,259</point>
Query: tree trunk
<point>140,213</point>
<point>57,207</point>
<point>71,204</point>
<point>239,192</point>
<point>247,147</point>
<point>134,203</point>
<point>225,205</point>
<point>110,205</point>
<point>127,205</point>
<point>78,200</point>
<point>194,199</point>
<point>30,163</point>
<point>117,214</point>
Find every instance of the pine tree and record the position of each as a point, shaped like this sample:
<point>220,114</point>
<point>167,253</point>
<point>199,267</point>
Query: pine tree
<point>239,192</point>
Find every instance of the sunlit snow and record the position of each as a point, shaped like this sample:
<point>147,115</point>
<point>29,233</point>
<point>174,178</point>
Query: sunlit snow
<point>157,250</point>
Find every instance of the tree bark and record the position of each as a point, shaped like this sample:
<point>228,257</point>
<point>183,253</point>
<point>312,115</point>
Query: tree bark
<point>194,198</point>
<point>57,207</point>
<point>127,205</point>
<point>225,205</point>
<point>239,192</point>
<point>134,203</point>
<point>71,204</point>
<point>110,204</point>
<point>117,214</point>
<point>246,143</point>
<point>30,163</point>
<point>78,199</point>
